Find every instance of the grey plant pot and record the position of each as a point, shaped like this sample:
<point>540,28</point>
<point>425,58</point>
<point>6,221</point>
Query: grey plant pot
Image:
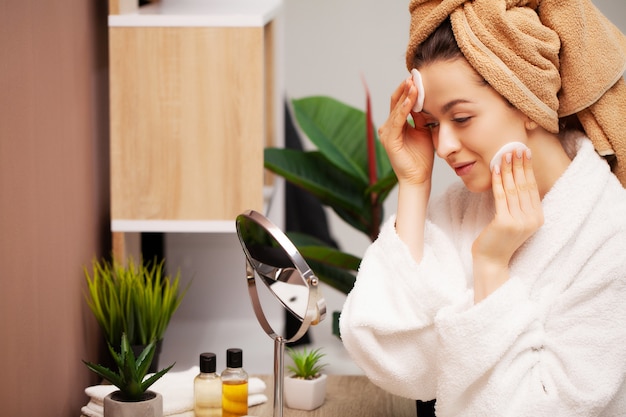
<point>150,407</point>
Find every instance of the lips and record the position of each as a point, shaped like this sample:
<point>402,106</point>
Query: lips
<point>463,169</point>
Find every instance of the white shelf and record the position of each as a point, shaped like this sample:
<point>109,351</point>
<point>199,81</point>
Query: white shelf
<point>196,226</point>
<point>174,226</point>
<point>200,13</point>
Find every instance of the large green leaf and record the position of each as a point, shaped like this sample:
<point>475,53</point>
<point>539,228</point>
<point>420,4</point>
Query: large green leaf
<point>339,132</point>
<point>313,173</point>
<point>360,221</point>
<point>383,187</point>
<point>338,278</point>
<point>329,264</point>
<point>319,250</point>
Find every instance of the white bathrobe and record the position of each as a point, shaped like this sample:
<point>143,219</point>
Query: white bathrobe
<point>551,341</point>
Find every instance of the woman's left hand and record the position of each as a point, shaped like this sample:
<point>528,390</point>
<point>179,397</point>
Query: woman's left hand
<point>519,215</point>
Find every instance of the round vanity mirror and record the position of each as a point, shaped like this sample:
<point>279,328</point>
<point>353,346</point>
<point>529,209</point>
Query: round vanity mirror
<point>274,266</point>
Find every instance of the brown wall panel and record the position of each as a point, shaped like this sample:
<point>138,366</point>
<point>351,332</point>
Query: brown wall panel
<point>53,199</point>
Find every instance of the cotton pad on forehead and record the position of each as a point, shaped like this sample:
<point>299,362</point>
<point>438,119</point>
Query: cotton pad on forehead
<point>509,147</point>
<point>417,80</point>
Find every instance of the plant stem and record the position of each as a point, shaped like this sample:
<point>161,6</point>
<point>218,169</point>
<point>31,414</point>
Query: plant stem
<point>371,157</point>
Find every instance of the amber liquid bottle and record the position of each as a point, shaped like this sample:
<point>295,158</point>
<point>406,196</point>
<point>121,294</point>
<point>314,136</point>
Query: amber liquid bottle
<point>234,385</point>
<point>207,389</point>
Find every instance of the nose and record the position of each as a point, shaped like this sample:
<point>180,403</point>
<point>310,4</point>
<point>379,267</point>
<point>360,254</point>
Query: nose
<point>446,141</point>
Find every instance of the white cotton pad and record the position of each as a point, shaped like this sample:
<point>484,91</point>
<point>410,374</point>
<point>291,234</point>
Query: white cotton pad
<point>508,147</point>
<point>417,80</point>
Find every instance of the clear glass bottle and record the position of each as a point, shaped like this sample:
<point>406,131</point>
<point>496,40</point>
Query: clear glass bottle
<point>234,385</point>
<point>207,388</point>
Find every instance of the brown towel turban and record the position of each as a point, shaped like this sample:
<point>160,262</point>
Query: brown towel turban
<point>550,58</point>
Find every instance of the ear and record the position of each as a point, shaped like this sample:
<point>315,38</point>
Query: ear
<point>530,124</point>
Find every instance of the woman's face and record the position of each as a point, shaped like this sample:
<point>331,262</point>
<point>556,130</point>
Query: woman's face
<point>469,120</point>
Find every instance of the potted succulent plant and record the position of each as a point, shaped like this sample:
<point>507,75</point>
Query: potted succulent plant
<point>132,397</point>
<point>305,388</point>
<point>135,299</point>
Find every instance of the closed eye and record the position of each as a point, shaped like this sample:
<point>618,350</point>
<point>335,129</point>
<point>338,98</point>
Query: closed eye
<point>461,120</point>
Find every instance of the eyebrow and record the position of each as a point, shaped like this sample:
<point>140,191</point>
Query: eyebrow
<point>451,104</point>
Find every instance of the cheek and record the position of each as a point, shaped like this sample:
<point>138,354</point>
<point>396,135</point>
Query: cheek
<point>489,136</point>
<point>481,137</point>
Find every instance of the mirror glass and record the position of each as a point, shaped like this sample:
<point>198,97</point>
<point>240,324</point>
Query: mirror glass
<point>274,266</point>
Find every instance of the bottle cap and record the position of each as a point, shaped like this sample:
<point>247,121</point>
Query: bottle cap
<point>234,358</point>
<point>207,363</point>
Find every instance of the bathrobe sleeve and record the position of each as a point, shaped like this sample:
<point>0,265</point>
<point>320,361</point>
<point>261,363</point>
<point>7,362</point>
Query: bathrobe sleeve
<point>387,322</point>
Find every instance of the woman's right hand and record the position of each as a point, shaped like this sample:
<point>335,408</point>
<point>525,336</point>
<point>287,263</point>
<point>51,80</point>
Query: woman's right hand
<point>410,149</point>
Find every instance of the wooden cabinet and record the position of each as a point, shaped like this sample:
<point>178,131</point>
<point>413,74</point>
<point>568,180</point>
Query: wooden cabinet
<point>194,99</point>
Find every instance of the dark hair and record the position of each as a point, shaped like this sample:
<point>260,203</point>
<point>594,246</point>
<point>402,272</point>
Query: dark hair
<point>570,122</point>
<point>439,46</point>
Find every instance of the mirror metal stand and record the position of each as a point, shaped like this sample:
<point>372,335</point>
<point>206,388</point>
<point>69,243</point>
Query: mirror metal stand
<point>272,259</point>
<point>279,375</point>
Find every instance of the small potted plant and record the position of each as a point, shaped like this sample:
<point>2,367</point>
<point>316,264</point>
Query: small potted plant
<point>132,397</point>
<point>135,299</point>
<point>305,388</point>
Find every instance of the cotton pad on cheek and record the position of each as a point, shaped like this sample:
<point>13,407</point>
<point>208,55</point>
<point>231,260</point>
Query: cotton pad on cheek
<point>509,147</point>
<point>417,80</point>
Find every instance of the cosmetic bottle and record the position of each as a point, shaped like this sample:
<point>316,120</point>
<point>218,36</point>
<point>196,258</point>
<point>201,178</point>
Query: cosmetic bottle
<point>207,389</point>
<point>234,385</point>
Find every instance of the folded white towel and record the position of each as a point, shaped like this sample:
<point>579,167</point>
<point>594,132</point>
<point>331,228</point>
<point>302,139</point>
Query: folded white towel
<point>177,391</point>
<point>87,412</point>
<point>256,399</point>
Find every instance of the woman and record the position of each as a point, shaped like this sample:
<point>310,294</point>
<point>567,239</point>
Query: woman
<point>506,296</point>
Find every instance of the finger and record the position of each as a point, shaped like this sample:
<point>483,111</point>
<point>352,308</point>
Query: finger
<point>419,120</point>
<point>391,132</point>
<point>529,173</point>
<point>400,112</point>
<point>510,188</point>
<point>398,94</point>
<point>497,188</point>
<point>521,182</point>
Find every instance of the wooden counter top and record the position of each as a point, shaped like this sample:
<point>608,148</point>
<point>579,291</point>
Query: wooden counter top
<point>346,395</point>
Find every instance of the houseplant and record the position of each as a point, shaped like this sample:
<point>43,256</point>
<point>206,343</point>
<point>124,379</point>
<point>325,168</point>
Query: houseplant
<point>132,397</point>
<point>349,172</point>
<point>135,299</point>
<point>305,388</point>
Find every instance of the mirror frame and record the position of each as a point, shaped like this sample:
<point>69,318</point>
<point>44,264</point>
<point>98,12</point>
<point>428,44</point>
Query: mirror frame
<point>316,305</point>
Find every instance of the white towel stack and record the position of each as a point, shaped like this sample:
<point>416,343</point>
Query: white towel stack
<point>177,391</point>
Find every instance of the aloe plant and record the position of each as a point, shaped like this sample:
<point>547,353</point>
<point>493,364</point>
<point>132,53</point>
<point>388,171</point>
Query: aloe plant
<point>349,172</point>
<point>130,376</point>
<point>306,363</point>
<point>136,299</point>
